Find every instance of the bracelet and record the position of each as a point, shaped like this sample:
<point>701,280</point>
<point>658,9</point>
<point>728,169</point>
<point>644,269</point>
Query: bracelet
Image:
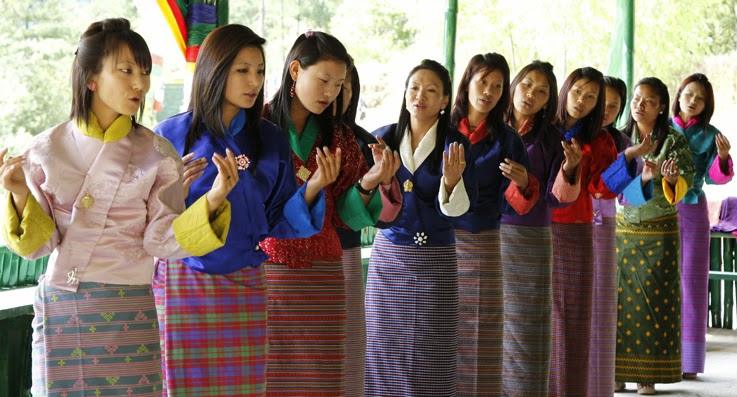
<point>362,190</point>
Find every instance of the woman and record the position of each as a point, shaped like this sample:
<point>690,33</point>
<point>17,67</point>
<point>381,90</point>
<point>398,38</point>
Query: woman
<point>206,334</point>
<point>648,243</point>
<point>579,117</point>
<point>692,110</point>
<point>483,96</point>
<point>412,289</point>
<point>526,240</point>
<point>604,304</point>
<point>103,195</point>
<point>350,241</point>
<point>307,298</point>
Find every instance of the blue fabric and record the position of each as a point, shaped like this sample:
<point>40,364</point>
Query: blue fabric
<point>492,184</point>
<point>574,132</point>
<point>237,124</point>
<point>264,203</point>
<point>636,194</point>
<point>620,174</point>
<point>704,150</point>
<point>421,210</point>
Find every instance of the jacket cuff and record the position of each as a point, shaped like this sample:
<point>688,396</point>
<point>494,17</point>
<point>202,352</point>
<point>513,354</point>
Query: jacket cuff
<point>16,231</point>
<point>196,233</point>
<point>523,203</point>
<point>304,220</point>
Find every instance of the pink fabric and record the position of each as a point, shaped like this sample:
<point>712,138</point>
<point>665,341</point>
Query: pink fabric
<point>677,120</point>
<point>564,191</point>
<point>523,203</point>
<point>137,191</point>
<point>716,174</point>
<point>391,199</point>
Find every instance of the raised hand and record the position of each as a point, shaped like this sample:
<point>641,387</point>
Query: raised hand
<point>224,182</point>
<point>515,172</point>
<point>670,171</point>
<point>14,179</point>
<point>328,167</point>
<point>391,160</point>
<point>649,171</point>
<point>573,155</point>
<point>647,146</point>
<point>193,170</point>
<point>723,147</point>
<point>454,163</point>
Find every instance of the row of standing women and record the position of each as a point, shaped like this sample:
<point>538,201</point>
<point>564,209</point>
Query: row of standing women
<point>481,282</point>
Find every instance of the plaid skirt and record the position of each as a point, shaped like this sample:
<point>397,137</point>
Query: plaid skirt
<point>573,276</point>
<point>102,340</point>
<point>527,257</point>
<point>481,313</point>
<point>411,320</point>
<point>213,330</point>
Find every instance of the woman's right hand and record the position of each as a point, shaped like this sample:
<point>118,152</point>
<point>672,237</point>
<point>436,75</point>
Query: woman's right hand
<point>328,168</point>
<point>573,154</point>
<point>193,170</point>
<point>647,146</point>
<point>14,179</point>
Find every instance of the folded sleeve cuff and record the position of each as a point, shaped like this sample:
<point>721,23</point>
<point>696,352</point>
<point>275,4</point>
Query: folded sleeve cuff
<point>680,191</point>
<point>29,233</point>
<point>196,233</point>
<point>304,220</point>
<point>391,199</point>
<point>523,203</point>
<point>455,204</point>
<point>636,194</point>
<point>620,174</point>
<point>565,191</point>
<point>717,175</point>
<point>354,213</point>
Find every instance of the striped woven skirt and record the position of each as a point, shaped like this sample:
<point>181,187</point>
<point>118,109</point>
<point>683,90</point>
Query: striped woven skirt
<point>604,310</point>
<point>356,322</point>
<point>573,272</point>
<point>648,301</point>
<point>695,239</point>
<point>213,330</point>
<point>527,257</point>
<point>481,313</point>
<point>307,330</point>
<point>102,340</point>
<point>411,320</point>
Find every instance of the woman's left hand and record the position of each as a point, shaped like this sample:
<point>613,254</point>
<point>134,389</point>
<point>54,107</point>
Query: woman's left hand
<point>670,171</point>
<point>382,154</point>
<point>723,146</point>
<point>454,163</point>
<point>516,172</point>
<point>224,182</point>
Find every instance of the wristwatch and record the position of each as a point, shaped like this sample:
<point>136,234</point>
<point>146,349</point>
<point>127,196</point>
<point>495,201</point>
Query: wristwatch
<point>362,190</point>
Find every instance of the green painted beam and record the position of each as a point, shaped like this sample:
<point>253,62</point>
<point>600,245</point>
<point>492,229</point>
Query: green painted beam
<point>449,46</point>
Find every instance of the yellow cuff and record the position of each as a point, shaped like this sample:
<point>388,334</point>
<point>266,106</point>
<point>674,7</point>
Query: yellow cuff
<point>196,233</point>
<point>29,233</point>
<point>681,189</point>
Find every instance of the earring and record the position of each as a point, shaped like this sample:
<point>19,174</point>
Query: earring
<point>442,111</point>
<point>661,112</point>
<point>291,90</point>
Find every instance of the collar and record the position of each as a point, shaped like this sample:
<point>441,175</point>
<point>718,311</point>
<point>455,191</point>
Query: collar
<point>677,120</point>
<point>237,124</point>
<point>117,130</point>
<point>526,126</point>
<point>413,160</point>
<point>475,136</point>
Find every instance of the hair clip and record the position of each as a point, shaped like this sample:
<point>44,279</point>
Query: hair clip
<point>309,33</point>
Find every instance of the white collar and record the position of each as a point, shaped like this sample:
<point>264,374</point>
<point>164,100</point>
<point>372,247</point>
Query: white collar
<point>412,160</point>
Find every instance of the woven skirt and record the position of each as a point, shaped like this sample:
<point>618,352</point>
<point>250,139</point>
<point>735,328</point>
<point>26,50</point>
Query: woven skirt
<point>307,330</point>
<point>573,272</point>
<point>648,301</point>
<point>411,320</point>
<point>356,322</point>
<point>481,313</point>
<point>102,340</point>
<point>527,257</point>
<point>695,239</point>
<point>604,310</point>
<point>213,330</point>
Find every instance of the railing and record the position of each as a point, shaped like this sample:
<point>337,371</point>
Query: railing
<point>722,278</point>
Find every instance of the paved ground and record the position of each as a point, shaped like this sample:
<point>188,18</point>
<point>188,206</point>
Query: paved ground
<point>719,378</point>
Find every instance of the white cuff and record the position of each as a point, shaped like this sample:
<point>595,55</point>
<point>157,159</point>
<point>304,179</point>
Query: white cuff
<point>457,204</point>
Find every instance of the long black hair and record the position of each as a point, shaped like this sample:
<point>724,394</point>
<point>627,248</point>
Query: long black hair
<point>309,49</point>
<point>393,138</point>
<point>103,39</point>
<point>214,61</point>
<point>660,131</point>
<point>544,117</point>
<point>592,121</point>
<point>487,63</point>
<point>620,87</point>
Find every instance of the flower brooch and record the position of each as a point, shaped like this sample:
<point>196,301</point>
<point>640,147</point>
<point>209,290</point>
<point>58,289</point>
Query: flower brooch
<point>420,238</point>
<point>242,161</point>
